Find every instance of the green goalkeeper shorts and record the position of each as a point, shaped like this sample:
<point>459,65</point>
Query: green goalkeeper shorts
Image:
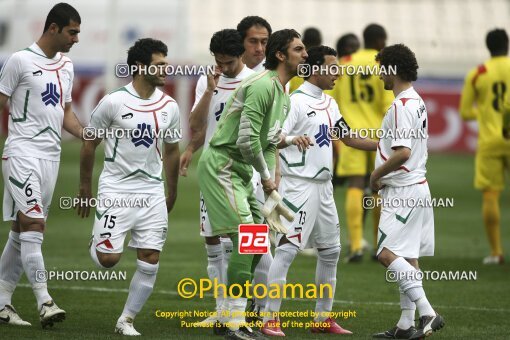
<point>228,193</point>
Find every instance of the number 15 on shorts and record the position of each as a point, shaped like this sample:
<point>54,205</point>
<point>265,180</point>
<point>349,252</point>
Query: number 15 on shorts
<point>253,239</point>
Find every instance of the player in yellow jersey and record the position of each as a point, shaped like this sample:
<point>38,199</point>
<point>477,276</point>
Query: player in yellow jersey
<point>311,37</point>
<point>483,98</point>
<point>363,102</point>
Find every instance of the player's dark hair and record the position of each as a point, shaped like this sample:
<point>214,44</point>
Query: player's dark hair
<point>317,54</point>
<point>251,21</point>
<point>61,14</point>
<point>142,51</point>
<point>400,57</point>
<point>312,37</point>
<point>373,34</point>
<point>278,41</point>
<point>497,42</point>
<point>228,42</point>
<point>344,43</point>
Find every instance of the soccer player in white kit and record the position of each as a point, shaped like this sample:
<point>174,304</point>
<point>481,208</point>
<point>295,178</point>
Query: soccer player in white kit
<point>405,232</point>
<point>38,81</point>
<point>132,172</point>
<point>211,95</point>
<point>306,187</point>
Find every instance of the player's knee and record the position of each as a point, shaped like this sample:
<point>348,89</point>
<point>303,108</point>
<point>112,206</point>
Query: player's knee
<point>148,256</point>
<point>329,255</point>
<point>385,257</point>
<point>147,268</point>
<point>212,240</point>
<point>30,224</point>
<point>107,261</point>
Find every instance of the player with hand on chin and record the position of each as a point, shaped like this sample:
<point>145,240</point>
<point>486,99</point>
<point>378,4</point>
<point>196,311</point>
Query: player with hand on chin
<point>405,233</point>
<point>245,138</point>
<point>307,170</point>
<point>38,81</point>
<point>132,172</point>
<point>211,95</point>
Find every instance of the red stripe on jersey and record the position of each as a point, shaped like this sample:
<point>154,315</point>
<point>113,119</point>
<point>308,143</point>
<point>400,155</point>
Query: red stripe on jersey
<point>55,69</point>
<point>329,118</point>
<point>157,129</point>
<point>234,82</point>
<point>481,70</point>
<point>61,90</point>
<point>151,110</point>
<point>404,100</point>
<point>424,181</point>
<point>396,116</point>
<point>322,108</point>
<point>61,56</point>
<point>35,208</point>
<point>160,99</point>
<point>226,88</point>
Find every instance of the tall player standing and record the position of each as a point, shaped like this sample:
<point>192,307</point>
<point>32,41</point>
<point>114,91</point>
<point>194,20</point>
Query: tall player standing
<point>246,138</point>
<point>255,32</point>
<point>488,86</point>
<point>132,171</point>
<point>211,95</point>
<point>38,81</point>
<point>307,170</point>
<point>405,232</point>
<point>363,101</point>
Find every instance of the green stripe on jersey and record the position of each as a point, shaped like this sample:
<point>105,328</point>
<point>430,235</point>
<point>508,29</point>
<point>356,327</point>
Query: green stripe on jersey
<point>25,108</point>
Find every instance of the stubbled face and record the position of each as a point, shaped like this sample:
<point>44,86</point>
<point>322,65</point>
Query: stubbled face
<point>229,65</point>
<point>388,80</point>
<point>296,54</point>
<point>158,79</point>
<point>329,73</point>
<point>255,45</point>
<point>67,38</point>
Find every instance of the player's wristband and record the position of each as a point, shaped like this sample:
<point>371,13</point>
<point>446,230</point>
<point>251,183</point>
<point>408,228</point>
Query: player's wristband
<point>265,175</point>
<point>289,139</point>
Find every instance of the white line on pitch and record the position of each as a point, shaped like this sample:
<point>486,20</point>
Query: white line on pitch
<point>174,293</point>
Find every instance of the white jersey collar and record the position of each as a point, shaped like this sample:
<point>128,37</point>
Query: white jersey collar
<point>312,89</point>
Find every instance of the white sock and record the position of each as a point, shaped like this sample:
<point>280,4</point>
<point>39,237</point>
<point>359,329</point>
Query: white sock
<point>33,264</point>
<point>410,285</point>
<point>283,257</point>
<point>260,277</point>
<point>11,268</point>
<point>325,274</point>
<point>408,310</point>
<point>214,269</point>
<point>226,247</point>
<point>237,308</point>
<point>140,288</point>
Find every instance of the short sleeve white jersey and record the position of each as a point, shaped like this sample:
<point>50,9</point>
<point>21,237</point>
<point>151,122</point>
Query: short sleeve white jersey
<point>39,88</point>
<point>224,89</point>
<point>136,129</point>
<point>405,124</point>
<point>312,113</point>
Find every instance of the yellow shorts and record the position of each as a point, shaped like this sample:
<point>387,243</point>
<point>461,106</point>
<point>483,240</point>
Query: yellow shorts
<point>354,162</point>
<point>490,171</point>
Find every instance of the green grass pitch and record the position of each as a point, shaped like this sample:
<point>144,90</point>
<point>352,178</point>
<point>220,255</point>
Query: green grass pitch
<point>472,309</point>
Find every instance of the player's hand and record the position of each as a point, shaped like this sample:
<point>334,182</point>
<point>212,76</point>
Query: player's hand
<point>302,142</point>
<point>85,195</point>
<point>170,202</point>
<point>268,185</point>
<point>184,162</point>
<point>212,79</point>
<point>375,183</point>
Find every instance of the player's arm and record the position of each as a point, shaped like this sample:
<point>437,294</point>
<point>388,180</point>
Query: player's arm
<point>87,156</point>
<point>399,156</point>
<point>3,100</point>
<point>171,165</point>
<point>344,134</point>
<point>198,120</point>
<point>71,123</point>
<point>468,98</point>
<point>258,99</point>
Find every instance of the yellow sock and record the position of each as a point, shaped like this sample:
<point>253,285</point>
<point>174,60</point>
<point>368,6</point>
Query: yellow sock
<point>491,217</point>
<point>376,214</point>
<point>354,214</point>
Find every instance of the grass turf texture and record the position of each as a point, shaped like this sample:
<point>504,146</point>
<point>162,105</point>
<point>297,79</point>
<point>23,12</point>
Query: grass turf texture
<point>472,309</point>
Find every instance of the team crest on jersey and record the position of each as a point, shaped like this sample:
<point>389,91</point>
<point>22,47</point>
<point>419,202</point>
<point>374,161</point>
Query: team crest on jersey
<point>143,136</point>
<point>322,138</point>
<point>164,115</point>
<point>51,95</point>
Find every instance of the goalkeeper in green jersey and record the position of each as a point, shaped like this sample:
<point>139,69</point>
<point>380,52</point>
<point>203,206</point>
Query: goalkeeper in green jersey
<point>246,139</point>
